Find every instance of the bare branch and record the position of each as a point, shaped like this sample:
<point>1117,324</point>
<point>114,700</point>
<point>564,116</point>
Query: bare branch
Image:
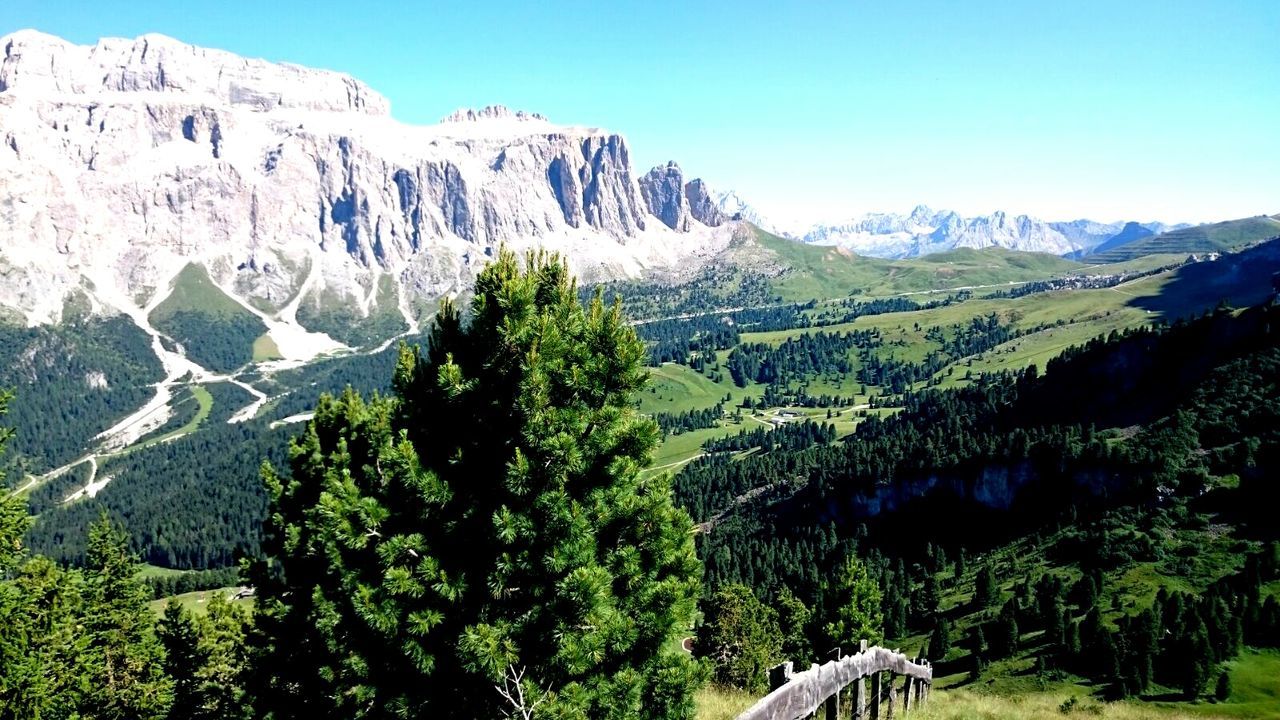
<point>512,690</point>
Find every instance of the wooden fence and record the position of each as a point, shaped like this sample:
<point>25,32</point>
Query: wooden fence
<point>798,695</point>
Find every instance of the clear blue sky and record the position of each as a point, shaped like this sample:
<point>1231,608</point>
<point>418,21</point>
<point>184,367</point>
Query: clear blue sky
<point>1147,109</point>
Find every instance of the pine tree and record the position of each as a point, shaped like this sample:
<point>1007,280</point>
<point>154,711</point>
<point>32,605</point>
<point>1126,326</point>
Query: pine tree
<point>794,619</point>
<point>123,660</point>
<point>854,606</point>
<point>489,522</point>
<point>1222,692</point>
<point>1004,639</point>
<point>40,643</point>
<point>986,591</point>
<point>183,659</point>
<point>930,597</point>
<point>940,641</point>
<point>1144,645</point>
<point>223,630</point>
<point>740,637</point>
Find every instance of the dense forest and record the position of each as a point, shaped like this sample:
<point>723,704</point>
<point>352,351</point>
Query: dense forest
<point>980,445</point>
<point>1125,447</point>
<point>71,382</point>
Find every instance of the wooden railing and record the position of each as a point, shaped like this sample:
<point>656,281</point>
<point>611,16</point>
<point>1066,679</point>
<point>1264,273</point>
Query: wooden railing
<point>798,695</point>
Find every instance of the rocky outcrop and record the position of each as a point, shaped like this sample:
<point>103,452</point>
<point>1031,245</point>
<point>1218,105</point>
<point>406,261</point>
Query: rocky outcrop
<point>663,191</point>
<point>702,206</point>
<point>490,112</point>
<point>123,162</point>
<point>678,203</point>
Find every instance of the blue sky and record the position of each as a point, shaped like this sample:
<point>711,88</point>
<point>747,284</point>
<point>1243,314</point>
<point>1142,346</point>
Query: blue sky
<point>1143,109</point>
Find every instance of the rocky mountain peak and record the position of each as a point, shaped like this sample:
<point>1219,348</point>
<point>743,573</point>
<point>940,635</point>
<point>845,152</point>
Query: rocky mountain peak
<point>41,65</point>
<point>490,112</point>
<point>678,203</point>
<point>294,189</point>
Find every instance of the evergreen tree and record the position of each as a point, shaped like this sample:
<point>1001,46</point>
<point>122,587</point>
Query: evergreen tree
<point>223,630</point>
<point>40,643</point>
<point>853,602</point>
<point>986,591</point>
<point>182,658</point>
<point>740,637</point>
<point>1222,692</point>
<point>794,619</point>
<point>123,661</point>
<point>977,641</point>
<point>1144,645</point>
<point>930,597</point>
<point>940,641</point>
<point>1004,639</point>
<point>484,528</point>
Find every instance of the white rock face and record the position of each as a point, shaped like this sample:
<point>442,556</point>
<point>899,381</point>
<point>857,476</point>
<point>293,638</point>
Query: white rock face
<point>122,162</point>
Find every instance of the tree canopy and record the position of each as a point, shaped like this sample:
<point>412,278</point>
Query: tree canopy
<point>484,537</point>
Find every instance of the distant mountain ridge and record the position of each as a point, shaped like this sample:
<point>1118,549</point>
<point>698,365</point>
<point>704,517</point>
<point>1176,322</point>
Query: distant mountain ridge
<point>925,231</point>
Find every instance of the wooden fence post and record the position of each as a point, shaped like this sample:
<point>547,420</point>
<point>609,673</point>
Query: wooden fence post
<point>779,675</point>
<point>833,706</point>
<point>860,691</point>
<point>889,712</point>
<point>906,695</point>
<point>875,696</point>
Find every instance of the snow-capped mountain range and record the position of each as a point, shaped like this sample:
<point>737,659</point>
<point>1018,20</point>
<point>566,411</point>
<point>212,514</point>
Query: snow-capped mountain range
<point>924,231</point>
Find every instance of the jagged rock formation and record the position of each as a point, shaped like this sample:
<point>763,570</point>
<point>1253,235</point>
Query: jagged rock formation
<point>123,162</point>
<point>490,112</point>
<point>678,203</point>
<point>663,191</point>
<point>702,206</point>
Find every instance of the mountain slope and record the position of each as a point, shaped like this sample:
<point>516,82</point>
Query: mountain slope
<point>1129,233</point>
<point>1220,237</point>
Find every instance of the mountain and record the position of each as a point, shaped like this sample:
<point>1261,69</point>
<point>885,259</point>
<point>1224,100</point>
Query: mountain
<point>733,206</point>
<point>924,231</point>
<point>296,193</point>
<point>1227,236</point>
<point>1089,234</point>
<point>1127,234</point>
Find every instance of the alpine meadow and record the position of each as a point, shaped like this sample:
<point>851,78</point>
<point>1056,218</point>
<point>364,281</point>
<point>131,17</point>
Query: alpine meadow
<point>322,398</point>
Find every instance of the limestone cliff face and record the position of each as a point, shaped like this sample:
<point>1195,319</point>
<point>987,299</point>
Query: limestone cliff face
<point>122,162</point>
<point>678,203</point>
<point>663,191</point>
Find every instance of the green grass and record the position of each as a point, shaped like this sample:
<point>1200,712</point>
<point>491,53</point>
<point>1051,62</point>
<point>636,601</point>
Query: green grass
<point>205,401</point>
<point>215,330</point>
<point>155,571</point>
<point>1255,689</point>
<point>264,348</point>
<point>679,388</point>
<point>817,271</point>
<point>720,703</point>
<point>198,601</point>
<point>194,291</point>
<point>1046,705</point>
